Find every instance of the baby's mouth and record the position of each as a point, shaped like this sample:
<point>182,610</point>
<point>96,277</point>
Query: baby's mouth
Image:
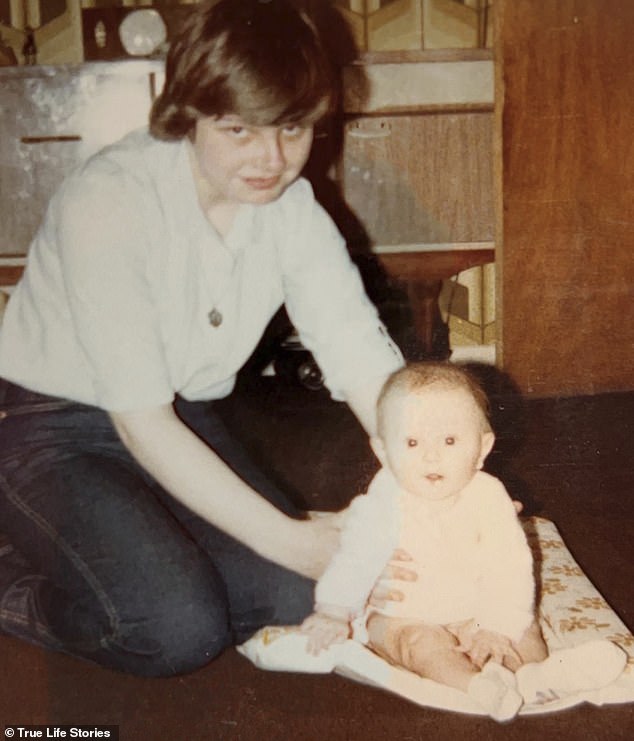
<point>433,477</point>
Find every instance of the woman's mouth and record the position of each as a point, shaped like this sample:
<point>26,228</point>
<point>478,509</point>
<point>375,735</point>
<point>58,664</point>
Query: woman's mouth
<point>262,183</point>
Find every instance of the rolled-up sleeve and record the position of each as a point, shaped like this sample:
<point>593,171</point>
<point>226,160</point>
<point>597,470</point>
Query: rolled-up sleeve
<point>327,303</point>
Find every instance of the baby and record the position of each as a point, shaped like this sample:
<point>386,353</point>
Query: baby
<point>468,619</point>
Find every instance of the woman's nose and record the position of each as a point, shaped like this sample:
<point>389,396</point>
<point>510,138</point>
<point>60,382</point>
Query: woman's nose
<point>273,150</point>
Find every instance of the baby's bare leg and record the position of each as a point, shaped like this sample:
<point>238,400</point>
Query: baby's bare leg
<point>531,647</point>
<point>430,651</point>
<point>433,652</point>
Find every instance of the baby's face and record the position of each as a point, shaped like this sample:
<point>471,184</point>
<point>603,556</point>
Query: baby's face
<point>434,441</point>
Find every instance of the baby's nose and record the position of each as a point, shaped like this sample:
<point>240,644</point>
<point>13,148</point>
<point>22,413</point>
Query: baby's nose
<point>430,453</point>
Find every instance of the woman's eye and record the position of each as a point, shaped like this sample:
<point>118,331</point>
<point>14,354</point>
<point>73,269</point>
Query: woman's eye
<point>231,127</point>
<point>450,440</point>
<point>292,130</point>
<point>412,442</point>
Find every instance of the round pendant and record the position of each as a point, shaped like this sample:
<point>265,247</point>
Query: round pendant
<point>215,317</point>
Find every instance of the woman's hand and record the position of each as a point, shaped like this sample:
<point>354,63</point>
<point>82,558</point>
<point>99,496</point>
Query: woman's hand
<point>395,570</point>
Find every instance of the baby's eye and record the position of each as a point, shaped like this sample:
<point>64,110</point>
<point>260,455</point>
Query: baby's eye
<point>412,442</point>
<point>238,130</point>
<point>450,440</point>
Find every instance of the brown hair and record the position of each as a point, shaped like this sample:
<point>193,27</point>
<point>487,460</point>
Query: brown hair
<point>264,60</point>
<point>423,375</point>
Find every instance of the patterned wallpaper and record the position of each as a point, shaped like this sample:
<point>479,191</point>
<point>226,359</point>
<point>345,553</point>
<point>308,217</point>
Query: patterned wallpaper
<point>382,25</point>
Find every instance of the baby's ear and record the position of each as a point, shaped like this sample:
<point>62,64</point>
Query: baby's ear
<point>378,448</point>
<point>486,446</point>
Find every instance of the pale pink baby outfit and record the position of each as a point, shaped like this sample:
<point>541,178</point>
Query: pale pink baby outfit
<point>470,554</point>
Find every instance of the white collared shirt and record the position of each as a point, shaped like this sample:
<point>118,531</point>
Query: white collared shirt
<point>113,309</point>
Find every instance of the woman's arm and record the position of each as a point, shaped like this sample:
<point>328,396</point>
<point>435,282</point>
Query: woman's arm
<point>362,401</point>
<point>195,475</point>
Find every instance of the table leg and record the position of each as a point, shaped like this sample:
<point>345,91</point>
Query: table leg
<point>423,296</point>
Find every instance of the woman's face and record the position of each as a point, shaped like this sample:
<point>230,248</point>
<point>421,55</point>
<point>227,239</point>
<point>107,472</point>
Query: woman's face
<point>242,163</point>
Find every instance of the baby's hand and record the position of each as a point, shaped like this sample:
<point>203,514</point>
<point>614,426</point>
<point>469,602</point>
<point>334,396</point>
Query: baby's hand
<point>394,571</point>
<point>485,645</point>
<point>323,631</point>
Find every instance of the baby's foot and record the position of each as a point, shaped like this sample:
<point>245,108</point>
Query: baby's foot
<point>589,666</point>
<point>495,691</point>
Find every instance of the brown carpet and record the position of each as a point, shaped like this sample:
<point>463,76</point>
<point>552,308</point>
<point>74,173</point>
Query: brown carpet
<point>571,460</point>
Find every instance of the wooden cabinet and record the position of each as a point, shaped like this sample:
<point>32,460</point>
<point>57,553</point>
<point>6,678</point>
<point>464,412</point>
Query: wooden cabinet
<point>51,119</point>
<point>417,171</point>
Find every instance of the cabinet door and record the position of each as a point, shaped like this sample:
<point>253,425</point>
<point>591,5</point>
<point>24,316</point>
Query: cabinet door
<point>50,121</point>
<point>420,179</point>
<point>567,116</point>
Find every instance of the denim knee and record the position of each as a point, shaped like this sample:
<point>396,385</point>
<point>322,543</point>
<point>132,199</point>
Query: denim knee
<point>179,634</point>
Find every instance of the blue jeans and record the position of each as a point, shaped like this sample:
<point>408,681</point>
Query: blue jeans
<point>111,568</point>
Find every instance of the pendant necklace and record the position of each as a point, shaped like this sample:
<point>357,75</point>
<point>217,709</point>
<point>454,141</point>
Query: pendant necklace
<point>218,302</point>
<point>215,317</point>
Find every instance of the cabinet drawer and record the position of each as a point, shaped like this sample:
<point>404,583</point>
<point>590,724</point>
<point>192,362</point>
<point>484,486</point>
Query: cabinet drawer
<point>53,119</point>
<point>414,179</point>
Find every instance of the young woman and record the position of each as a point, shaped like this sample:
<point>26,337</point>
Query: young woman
<point>144,538</point>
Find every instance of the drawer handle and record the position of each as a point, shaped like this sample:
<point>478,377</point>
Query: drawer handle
<point>369,130</point>
<point>46,139</point>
